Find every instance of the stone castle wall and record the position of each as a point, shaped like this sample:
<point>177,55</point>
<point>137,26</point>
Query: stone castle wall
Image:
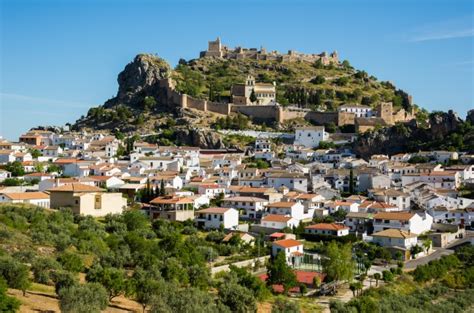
<point>273,113</point>
<point>262,113</point>
<point>219,107</point>
<point>197,104</point>
<point>345,118</point>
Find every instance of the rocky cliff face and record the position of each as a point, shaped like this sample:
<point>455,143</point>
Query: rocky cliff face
<point>139,79</point>
<point>411,137</point>
<point>205,139</point>
<point>470,116</point>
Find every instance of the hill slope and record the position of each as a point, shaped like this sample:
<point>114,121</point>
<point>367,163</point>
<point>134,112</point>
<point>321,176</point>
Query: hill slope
<point>309,85</point>
<point>140,97</point>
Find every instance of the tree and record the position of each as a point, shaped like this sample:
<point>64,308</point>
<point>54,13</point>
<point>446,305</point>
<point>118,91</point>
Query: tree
<point>427,245</point>
<point>135,220</point>
<point>351,182</point>
<point>7,304</point>
<point>146,289</point>
<point>63,280</point>
<point>15,274</point>
<point>12,181</point>
<point>35,153</point>
<point>42,268</point>
<point>377,277</point>
<point>71,262</point>
<point>356,287</point>
<point>253,97</point>
<point>280,273</point>
<point>162,188</point>
<point>319,79</point>
<point>190,300</point>
<point>53,168</point>
<point>385,255</point>
<point>149,102</point>
<point>339,264</point>
<point>249,281</point>
<point>113,279</point>
<point>15,168</point>
<point>238,298</point>
<point>414,250</point>
<point>387,276</point>
<point>87,298</point>
<point>283,305</point>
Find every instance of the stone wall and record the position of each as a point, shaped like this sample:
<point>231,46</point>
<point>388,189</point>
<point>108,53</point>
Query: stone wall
<point>345,118</point>
<point>197,104</point>
<point>288,114</point>
<point>272,113</point>
<point>262,113</point>
<point>219,107</point>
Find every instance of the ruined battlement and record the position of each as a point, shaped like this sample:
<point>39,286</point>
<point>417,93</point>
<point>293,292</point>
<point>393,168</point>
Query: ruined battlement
<point>218,50</point>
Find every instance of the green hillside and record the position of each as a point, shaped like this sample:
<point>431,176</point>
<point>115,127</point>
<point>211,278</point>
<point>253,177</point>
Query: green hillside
<point>309,85</point>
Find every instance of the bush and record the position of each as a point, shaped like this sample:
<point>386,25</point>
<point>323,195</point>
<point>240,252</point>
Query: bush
<point>42,268</point>
<point>387,276</point>
<point>14,273</point>
<point>7,304</point>
<point>87,298</point>
<point>283,305</point>
<point>71,262</point>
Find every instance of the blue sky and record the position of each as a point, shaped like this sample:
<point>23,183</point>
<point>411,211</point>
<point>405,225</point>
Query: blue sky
<point>58,58</point>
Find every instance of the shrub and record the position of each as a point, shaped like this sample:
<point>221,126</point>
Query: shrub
<point>387,276</point>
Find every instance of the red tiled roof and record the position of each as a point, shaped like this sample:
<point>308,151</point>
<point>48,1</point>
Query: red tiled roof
<point>303,277</point>
<point>327,226</point>
<point>276,218</point>
<point>401,216</point>
<point>214,210</point>
<point>76,187</point>
<point>288,243</point>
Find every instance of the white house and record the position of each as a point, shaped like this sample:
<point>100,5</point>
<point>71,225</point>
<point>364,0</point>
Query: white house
<point>263,149</point>
<point>213,218</point>
<point>4,175</point>
<point>252,207</point>
<point>331,229</point>
<point>356,109</point>
<point>293,250</point>
<point>293,181</point>
<point>310,136</point>
<point>210,190</point>
<point>35,198</point>
<point>406,221</point>
<point>334,206</point>
<point>169,180</point>
<point>276,221</point>
<point>392,196</point>
<point>107,181</point>
<point>395,238</point>
<point>290,208</point>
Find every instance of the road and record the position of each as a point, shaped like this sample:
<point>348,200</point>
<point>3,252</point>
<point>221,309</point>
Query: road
<point>438,253</point>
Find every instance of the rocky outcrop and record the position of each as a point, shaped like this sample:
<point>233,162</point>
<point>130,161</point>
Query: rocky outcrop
<point>442,123</point>
<point>410,137</point>
<point>203,138</point>
<point>139,79</point>
<point>470,117</point>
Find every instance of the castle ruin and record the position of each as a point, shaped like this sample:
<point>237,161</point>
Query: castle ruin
<point>218,50</point>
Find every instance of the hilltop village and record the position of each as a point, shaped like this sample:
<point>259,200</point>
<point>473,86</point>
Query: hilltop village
<point>286,199</point>
<point>258,100</point>
<point>234,183</point>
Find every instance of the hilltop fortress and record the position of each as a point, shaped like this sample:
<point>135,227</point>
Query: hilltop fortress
<point>363,117</point>
<point>218,50</point>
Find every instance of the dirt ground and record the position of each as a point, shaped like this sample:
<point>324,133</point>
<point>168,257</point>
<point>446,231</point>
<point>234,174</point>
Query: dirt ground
<point>43,302</point>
